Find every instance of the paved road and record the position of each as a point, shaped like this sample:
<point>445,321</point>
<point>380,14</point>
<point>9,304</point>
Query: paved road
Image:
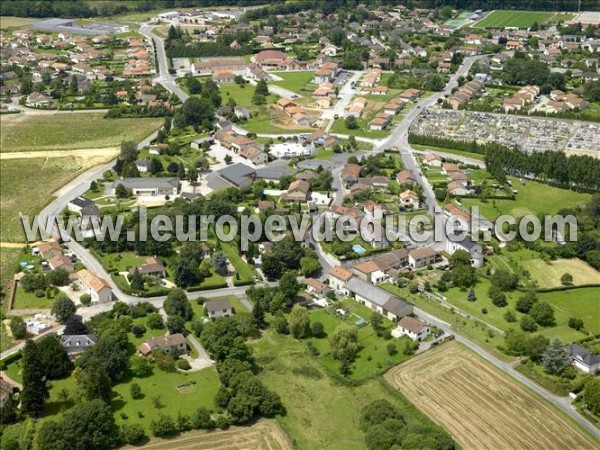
<point>345,94</point>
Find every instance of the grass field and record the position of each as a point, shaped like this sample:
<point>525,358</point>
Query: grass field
<point>547,274</point>
<point>264,434</point>
<point>532,198</point>
<point>320,414</point>
<point>14,22</point>
<point>519,19</point>
<point>243,269</point>
<point>296,81</point>
<point>20,195</point>
<point>581,303</point>
<point>8,259</point>
<point>28,300</point>
<point>241,94</point>
<point>481,407</point>
<point>72,131</point>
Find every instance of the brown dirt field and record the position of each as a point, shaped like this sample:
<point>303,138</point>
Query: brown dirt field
<point>263,435</point>
<point>481,407</point>
<point>91,156</point>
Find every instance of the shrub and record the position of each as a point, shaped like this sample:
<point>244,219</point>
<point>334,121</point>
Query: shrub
<point>39,293</point>
<point>484,311</point>
<point>135,390</point>
<point>391,349</point>
<point>183,364</point>
<point>132,434</point>
<point>85,299</point>
<point>138,330</point>
<point>575,323</point>
<point>318,330</point>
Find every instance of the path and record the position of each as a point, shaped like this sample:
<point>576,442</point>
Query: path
<point>202,361</point>
<point>106,153</point>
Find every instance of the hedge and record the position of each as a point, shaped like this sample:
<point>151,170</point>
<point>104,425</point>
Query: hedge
<point>560,288</point>
<point>242,282</point>
<point>11,359</point>
<point>207,287</point>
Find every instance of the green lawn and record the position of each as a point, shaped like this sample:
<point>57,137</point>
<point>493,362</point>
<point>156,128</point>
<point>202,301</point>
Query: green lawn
<point>122,261</point>
<point>14,22</point>
<point>298,82</point>
<point>9,257</point>
<point>532,198</point>
<point>581,303</point>
<point>520,19</point>
<point>548,274</point>
<point>243,269</point>
<point>362,130</point>
<point>241,94</point>
<point>319,412</point>
<point>28,300</point>
<point>72,131</point>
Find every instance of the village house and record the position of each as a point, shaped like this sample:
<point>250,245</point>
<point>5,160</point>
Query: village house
<point>350,174</point>
<point>61,262</point>
<point>369,272</point>
<point>432,159</point>
<point>75,344</point>
<point>83,207</point>
<point>220,307</point>
<point>316,287</point>
<point>48,250</point>
<point>297,192</point>
<point>422,257</point>
<point>338,276</point>
<point>405,177</point>
<point>411,327</point>
<point>173,344</point>
<point>380,121</point>
<point>583,359</point>
<point>148,186</point>
<point>152,267</point>
<point>7,390</point>
<point>94,286</point>
<point>457,188</point>
<point>409,199</point>
<point>377,299</point>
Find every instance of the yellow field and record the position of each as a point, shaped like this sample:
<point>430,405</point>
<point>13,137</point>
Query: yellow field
<point>14,22</point>
<point>548,274</point>
<point>481,407</point>
<point>263,435</point>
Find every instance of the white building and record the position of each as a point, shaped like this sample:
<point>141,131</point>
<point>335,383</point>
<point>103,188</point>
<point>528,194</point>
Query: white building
<point>338,276</point>
<point>94,286</point>
<point>583,359</point>
<point>220,307</point>
<point>411,327</point>
<point>288,150</point>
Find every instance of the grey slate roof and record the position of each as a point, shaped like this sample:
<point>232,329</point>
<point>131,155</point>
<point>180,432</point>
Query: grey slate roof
<point>145,183</point>
<point>586,356</point>
<point>377,296</point>
<point>217,305</point>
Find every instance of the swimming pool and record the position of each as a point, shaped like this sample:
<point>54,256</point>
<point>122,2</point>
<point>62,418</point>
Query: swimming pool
<point>358,249</point>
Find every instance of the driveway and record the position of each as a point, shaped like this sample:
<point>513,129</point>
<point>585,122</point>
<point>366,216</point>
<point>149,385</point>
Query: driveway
<point>202,361</point>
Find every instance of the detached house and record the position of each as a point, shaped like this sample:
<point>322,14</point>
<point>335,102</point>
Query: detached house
<point>173,344</point>
<point>583,359</point>
<point>338,276</point>
<point>411,327</point>
<point>297,191</point>
<point>220,307</point>
<point>95,286</point>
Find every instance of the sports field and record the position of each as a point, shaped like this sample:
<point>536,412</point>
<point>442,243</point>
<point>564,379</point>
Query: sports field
<point>264,434</point>
<point>518,19</point>
<point>481,407</point>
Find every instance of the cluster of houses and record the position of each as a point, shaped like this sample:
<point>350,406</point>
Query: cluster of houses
<point>523,96</point>
<point>561,101</point>
<point>465,93</point>
<point>242,145</point>
<point>295,112</point>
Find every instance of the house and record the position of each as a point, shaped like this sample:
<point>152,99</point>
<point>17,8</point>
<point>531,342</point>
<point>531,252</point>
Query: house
<point>95,286</point>
<point>148,186</point>
<point>77,343</point>
<point>338,276</point>
<point>410,95</point>
<point>173,344</point>
<point>7,390</point>
<point>316,287</point>
<point>369,272</point>
<point>297,191</point>
<point>220,307</point>
<point>36,326</point>
<point>38,100</point>
<point>377,299</point>
<point>411,327</point>
<point>153,267</point>
<point>142,165</point>
<point>457,188</point>
<point>266,205</point>
<point>583,359</point>
<point>409,199</point>
<point>405,177</point>
<point>48,250</point>
<point>422,257</point>
<point>61,262</point>
<point>241,112</point>
<point>83,207</point>
<point>269,58</point>
<point>350,174</point>
<point>380,121</point>
<point>463,242</point>
<point>432,159</point>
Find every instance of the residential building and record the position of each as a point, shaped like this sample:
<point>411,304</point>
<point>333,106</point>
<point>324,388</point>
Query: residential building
<point>75,344</point>
<point>583,359</point>
<point>338,276</point>
<point>95,286</point>
<point>422,257</point>
<point>220,307</point>
<point>316,287</point>
<point>173,344</point>
<point>411,327</point>
<point>61,262</point>
<point>148,186</point>
<point>152,267</point>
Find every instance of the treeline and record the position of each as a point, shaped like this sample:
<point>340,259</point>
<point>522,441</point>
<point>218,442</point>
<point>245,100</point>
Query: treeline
<point>550,166</point>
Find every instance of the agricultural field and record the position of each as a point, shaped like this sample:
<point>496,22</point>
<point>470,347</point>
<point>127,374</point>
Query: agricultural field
<point>20,195</point>
<point>547,274</point>
<point>264,434</point>
<point>479,406</point>
<point>9,256</point>
<point>14,22</point>
<point>62,131</point>
<point>532,198</point>
<point>319,412</point>
<point>518,19</point>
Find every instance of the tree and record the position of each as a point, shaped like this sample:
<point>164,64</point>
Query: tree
<point>135,390</point>
<point>317,329</point>
<point>528,324</point>
<point>140,367</point>
<point>132,434</point>
<point>497,296</point>
<point>344,345</point>
<point>259,99</point>
<point>177,304</point>
<point>63,308</point>
<point>155,321</point>
<point>510,316</point>
<point>299,322</point>
<point>110,352</point>
<point>433,82</point>
<point>121,191</point>
<point>535,346</point>
<point>378,412</point>
<point>201,420</point>
<point>58,277</point>
<point>137,281</point>
<point>219,262</point>
<point>555,359</point>
<point>175,324</point>
<point>35,391</point>
<point>351,123</point>
<point>591,395</point>
<point>566,279</point>
<point>74,325</point>
<point>18,328</point>
<point>163,426</point>
<point>54,358</point>
<point>85,299</point>
<point>280,323</point>
<point>504,280</point>
<point>129,151</point>
<point>463,275</point>
<point>261,88</point>
<point>543,314</point>
<point>289,286</point>
<point>377,323</point>
<point>471,296</point>
<point>155,166</point>
<point>186,271</point>
<point>310,266</point>
<point>526,301</point>
<point>93,381</point>
<point>575,323</point>
<point>193,85</point>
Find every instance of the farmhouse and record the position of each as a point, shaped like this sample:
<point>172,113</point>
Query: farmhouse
<point>583,359</point>
<point>95,286</point>
<point>148,186</point>
<point>171,344</point>
<point>411,327</point>
<point>220,307</point>
<point>83,207</point>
